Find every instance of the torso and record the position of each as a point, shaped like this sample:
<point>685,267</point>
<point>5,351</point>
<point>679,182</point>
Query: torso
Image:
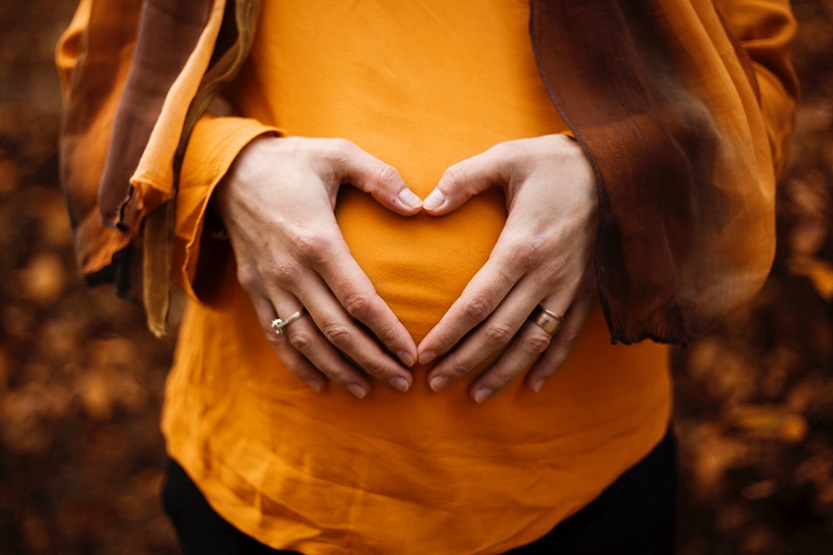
<point>420,85</point>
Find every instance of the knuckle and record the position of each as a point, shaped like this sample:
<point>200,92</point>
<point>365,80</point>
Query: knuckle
<point>498,334</point>
<point>458,368</point>
<point>503,150</point>
<point>377,370</point>
<point>456,175</point>
<point>557,274</point>
<point>374,366</point>
<point>556,266</point>
<point>302,341</point>
<point>387,335</point>
<point>384,174</point>
<point>273,338</point>
<point>340,148</point>
<point>537,343</point>
<point>569,338</point>
<point>285,271</point>
<point>248,278</point>
<point>338,334</point>
<point>501,380</point>
<point>528,253</point>
<point>508,155</point>
<point>553,366</point>
<point>311,247</point>
<point>445,340</point>
<point>477,310</point>
<point>359,306</point>
<point>506,279</point>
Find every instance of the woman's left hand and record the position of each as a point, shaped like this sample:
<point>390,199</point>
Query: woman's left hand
<point>543,257</point>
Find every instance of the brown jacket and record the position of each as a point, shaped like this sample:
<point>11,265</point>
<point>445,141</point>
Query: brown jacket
<point>685,129</point>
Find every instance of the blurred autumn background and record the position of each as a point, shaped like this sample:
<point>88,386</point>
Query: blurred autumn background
<point>80,378</point>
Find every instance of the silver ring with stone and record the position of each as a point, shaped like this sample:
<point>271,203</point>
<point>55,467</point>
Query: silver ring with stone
<point>280,325</point>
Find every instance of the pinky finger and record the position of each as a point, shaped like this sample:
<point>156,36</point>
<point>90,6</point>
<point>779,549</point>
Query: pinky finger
<point>294,362</point>
<point>562,343</point>
<point>299,366</point>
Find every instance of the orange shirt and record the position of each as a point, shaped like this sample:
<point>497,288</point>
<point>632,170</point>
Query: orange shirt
<point>420,85</point>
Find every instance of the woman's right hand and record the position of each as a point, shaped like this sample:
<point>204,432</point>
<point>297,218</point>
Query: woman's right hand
<point>277,204</point>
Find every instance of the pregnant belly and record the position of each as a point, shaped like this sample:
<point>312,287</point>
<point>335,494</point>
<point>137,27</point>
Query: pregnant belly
<point>420,265</point>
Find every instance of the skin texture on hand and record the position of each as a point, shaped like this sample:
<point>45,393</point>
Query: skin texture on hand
<point>277,205</point>
<point>542,257</point>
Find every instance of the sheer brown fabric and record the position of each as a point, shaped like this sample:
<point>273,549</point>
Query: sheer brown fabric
<point>667,108</point>
<point>662,98</point>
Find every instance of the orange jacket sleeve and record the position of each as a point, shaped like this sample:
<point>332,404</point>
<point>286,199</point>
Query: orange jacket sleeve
<point>214,144</point>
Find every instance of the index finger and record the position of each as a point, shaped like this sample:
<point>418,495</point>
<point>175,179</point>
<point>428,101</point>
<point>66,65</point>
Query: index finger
<point>489,286</point>
<point>356,293</point>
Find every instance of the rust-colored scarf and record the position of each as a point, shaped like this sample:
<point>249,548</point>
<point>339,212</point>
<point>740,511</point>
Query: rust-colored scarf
<point>658,93</point>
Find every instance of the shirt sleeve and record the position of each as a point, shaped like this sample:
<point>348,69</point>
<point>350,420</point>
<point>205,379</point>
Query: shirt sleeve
<point>213,147</point>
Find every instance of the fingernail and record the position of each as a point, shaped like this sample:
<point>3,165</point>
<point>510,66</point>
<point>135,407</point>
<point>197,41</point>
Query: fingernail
<point>536,387</point>
<point>400,383</point>
<point>406,358</point>
<point>315,385</point>
<point>357,390</point>
<point>426,357</point>
<point>434,200</point>
<point>483,395</point>
<point>409,199</point>
<point>438,383</point>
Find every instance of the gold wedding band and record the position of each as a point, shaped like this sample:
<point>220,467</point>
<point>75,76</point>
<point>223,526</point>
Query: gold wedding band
<point>547,320</point>
<point>280,325</point>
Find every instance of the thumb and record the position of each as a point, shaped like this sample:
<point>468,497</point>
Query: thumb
<point>463,180</point>
<point>369,174</point>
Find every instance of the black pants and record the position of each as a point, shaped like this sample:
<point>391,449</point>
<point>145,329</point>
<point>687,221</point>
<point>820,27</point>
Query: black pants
<point>635,515</point>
